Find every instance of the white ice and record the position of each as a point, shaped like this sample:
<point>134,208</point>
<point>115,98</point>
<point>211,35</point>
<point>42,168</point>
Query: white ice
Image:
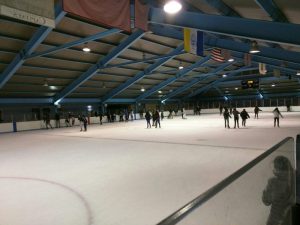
<point>123,173</point>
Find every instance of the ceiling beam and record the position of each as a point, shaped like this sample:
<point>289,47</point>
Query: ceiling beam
<point>195,81</point>
<point>274,32</point>
<point>180,74</point>
<point>212,84</point>
<point>75,43</point>
<point>224,9</point>
<point>37,38</point>
<point>140,75</point>
<point>270,7</point>
<point>100,64</point>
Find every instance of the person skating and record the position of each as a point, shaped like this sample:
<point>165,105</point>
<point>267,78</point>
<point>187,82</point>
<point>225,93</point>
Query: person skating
<point>162,116</point>
<point>236,118</point>
<point>57,120</point>
<point>80,122</point>
<point>221,109</point>
<point>100,118</point>
<point>183,114</point>
<point>157,119</point>
<point>276,114</point>
<point>226,117</point>
<point>244,115</point>
<point>85,121</point>
<point>47,121</point>
<point>256,111</point>
<point>148,118</point>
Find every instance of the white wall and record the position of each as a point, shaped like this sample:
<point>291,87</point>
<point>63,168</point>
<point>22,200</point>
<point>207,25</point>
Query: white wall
<point>6,127</point>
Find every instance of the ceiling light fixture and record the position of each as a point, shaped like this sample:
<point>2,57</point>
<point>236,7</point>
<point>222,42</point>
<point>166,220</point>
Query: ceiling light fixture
<point>142,89</point>
<point>86,48</point>
<point>224,75</point>
<point>180,66</point>
<point>172,7</point>
<point>45,83</point>
<point>231,60</point>
<point>298,73</point>
<point>236,88</point>
<point>273,85</point>
<point>254,48</point>
<point>159,91</point>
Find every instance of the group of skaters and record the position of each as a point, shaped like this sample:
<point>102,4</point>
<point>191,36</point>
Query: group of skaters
<point>124,116</point>
<point>244,116</point>
<point>69,121</point>
<point>155,116</point>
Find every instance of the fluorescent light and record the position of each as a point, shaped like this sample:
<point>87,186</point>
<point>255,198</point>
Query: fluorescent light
<point>231,60</point>
<point>86,49</point>
<point>53,87</point>
<point>57,102</point>
<point>224,75</point>
<point>180,67</point>
<point>172,7</point>
<point>142,89</point>
<point>225,98</point>
<point>159,91</point>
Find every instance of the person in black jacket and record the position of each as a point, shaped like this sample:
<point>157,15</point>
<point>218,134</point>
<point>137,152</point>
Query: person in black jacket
<point>244,115</point>
<point>157,119</point>
<point>236,117</point>
<point>148,118</point>
<point>256,110</point>
<point>226,117</point>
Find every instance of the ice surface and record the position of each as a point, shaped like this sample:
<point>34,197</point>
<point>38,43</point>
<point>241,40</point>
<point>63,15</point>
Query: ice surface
<point>123,173</point>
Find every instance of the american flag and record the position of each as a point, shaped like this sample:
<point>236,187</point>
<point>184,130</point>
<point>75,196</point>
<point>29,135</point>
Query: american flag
<point>216,54</point>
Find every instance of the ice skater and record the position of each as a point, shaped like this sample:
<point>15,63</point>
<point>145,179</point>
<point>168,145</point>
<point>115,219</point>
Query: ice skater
<point>221,110</point>
<point>85,122</point>
<point>100,118</point>
<point>244,115</point>
<point>256,111</point>
<point>226,116</point>
<point>236,118</point>
<point>279,192</point>
<point>47,121</point>
<point>183,114</point>
<point>276,114</point>
<point>157,119</point>
<point>148,119</point>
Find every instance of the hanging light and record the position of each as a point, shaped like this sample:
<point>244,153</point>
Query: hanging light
<point>159,91</point>
<point>180,66</point>
<point>224,75</point>
<point>86,48</point>
<point>230,60</point>
<point>45,83</point>
<point>236,88</point>
<point>142,89</point>
<point>273,85</point>
<point>254,48</point>
<point>298,73</point>
<point>172,7</point>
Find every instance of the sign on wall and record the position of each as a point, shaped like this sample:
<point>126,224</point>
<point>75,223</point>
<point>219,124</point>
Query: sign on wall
<point>34,11</point>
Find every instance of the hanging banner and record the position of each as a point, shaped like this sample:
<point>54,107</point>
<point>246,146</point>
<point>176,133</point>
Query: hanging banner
<point>141,12</point>
<point>112,13</point>
<point>193,41</point>
<point>34,11</point>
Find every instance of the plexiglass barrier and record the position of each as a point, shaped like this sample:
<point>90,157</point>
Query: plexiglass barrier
<point>260,193</point>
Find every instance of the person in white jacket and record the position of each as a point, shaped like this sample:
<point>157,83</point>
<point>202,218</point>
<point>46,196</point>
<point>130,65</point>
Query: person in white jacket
<point>276,114</point>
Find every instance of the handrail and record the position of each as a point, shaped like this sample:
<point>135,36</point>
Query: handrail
<point>191,206</point>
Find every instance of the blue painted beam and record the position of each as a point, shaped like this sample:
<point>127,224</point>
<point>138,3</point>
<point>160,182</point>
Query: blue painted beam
<point>224,9</point>
<point>239,27</point>
<point>219,91</point>
<point>214,83</point>
<point>75,43</point>
<point>173,79</point>
<point>195,81</point>
<point>273,10</point>
<point>140,75</point>
<point>7,101</point>
<point>29,47</point>
<point>100,64</point>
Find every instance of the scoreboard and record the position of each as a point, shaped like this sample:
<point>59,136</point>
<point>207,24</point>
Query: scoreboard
<point>250,84</point>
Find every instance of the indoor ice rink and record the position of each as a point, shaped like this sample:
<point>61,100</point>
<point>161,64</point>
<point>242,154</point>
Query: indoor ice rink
<point>80,80</point>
